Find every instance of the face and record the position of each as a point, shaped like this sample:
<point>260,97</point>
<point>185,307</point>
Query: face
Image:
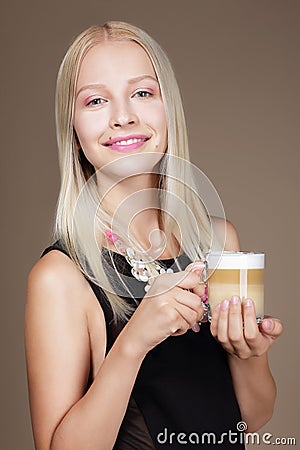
<point>118,107</point>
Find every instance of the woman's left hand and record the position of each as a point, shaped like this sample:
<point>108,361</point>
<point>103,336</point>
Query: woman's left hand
<point>234,326</point>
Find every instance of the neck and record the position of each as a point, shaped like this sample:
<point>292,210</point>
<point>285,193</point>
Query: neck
<point>136,193</point>
<point>134,203</point>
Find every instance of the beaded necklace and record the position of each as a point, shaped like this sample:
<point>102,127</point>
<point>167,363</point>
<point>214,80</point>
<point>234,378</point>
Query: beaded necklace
<point>147,271</point>
<point>144,271</point>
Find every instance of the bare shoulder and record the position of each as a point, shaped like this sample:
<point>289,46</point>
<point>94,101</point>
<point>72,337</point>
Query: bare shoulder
<point>57,285</point>
<point>55,270</point>
<point>227,232</point>
<point>65,340</point>
<point>57,288</point>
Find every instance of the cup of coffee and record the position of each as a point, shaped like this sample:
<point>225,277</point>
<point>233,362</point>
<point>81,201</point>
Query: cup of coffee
<point>236,273</point>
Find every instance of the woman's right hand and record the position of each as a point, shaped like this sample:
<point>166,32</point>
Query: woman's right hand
<point>171,306</point>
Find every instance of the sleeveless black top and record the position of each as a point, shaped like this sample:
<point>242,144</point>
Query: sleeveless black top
<point>183,396</point>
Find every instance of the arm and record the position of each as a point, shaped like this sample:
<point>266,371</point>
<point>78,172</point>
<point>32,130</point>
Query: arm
<point>61,338</point>
<point>247,349</point>
<point>255,389</point>
<point>58,351</point>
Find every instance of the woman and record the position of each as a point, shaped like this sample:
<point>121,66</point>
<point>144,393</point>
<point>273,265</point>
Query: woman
<point>110,365</point>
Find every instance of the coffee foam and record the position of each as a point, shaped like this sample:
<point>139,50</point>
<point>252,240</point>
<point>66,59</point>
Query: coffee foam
<point>235,260</point>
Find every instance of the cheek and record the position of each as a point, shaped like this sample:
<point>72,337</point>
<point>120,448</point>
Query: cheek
<point>161,125</point>
<point>88,128</point>
<point>156,117</point>
<point>80,128</point>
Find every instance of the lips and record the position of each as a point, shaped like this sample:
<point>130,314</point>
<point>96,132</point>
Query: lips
<point>126,143</point>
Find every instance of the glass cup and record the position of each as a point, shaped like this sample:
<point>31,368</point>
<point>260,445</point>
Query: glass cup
<point>236,273</point>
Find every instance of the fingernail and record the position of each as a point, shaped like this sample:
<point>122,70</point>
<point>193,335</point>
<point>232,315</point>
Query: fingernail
<point>198,265</point>
<point>225,304</point>
<point>248,302</point>
<point>235,300</point>
<point>268,325</point>
<point>216,308</point>
<point>198,271</point>
<point>198,262</point>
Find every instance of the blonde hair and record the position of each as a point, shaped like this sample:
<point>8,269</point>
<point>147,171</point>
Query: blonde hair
<point>74,219</point>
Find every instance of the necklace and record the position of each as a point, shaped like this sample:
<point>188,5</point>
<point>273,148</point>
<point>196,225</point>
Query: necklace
<point>146,271</point>
<point>142,270</point>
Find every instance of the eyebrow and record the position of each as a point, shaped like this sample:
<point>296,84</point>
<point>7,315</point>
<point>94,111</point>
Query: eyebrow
<point>101,86</point>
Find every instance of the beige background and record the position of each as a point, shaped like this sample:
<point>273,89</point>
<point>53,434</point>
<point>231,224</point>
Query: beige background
<point>237,63</point>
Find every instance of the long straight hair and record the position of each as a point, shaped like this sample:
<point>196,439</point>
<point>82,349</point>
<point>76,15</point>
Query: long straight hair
<point>75,220</point>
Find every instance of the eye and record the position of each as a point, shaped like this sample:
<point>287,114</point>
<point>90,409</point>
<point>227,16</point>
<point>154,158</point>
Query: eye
<point>143,94</point>
<point>96,101</point>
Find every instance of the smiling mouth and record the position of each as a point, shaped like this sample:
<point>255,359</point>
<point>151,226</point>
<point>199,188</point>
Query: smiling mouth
<point>126,142</point>
<point>126,145</point>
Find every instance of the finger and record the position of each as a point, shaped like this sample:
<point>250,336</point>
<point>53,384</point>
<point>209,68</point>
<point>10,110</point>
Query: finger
<point>197,265</point>
<point>180,331</point>
<point>256,341</point>
<point>272,327</point>
<point>235,320</point>
<point>214,320</point>
<point>189,315</point>
<point>222,327</point>
<point>199,289</point>
<point>196,328</point>
<point>191,300</point>
<point>181,326</point>
<point>177,323</point>
<point>188,280</point>
<point>251,330</point>
<point>163,283</point>
<point>235,328</point>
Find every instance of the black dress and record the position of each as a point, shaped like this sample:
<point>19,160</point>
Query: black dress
<point>183,396</point>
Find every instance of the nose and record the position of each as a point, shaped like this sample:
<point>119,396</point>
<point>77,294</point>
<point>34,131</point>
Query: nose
<point>122,115</point>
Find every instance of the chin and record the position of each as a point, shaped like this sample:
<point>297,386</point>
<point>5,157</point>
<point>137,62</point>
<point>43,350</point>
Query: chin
<point>132,164</point>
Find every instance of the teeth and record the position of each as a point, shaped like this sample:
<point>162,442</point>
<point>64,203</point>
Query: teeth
<point>128,142</point>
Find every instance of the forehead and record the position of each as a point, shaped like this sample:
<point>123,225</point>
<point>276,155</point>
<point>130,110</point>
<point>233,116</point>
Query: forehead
<point>112,61</point>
